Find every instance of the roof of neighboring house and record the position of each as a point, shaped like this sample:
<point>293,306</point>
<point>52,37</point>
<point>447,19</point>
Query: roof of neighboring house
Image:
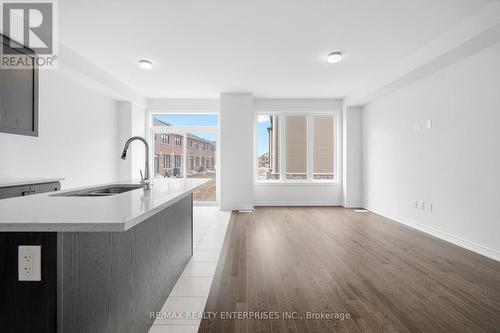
<point>265,155</point>
<point>195,137</point>
<point>157,122</point>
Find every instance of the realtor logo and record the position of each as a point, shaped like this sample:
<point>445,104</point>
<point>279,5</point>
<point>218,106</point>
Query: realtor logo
<point>28,29</point>
<point>30,24</point>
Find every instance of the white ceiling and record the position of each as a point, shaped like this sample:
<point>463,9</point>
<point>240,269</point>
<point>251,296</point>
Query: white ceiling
<point>271,48</point>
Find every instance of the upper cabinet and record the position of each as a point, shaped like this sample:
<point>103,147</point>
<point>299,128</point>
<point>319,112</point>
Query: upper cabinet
<point>18,94</point>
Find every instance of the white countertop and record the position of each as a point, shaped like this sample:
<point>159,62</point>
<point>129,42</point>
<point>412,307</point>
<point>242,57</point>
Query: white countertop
<point>118,212</point>
<point>7,182</point>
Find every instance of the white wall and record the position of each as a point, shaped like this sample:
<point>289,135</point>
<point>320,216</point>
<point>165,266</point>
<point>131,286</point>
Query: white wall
<point>236,151</point>
<point>303,194</point>
<point>352,157</point>
<point>131,122</point>
<point>184,105</point>
<point>480,29</point>
<point>455,165</point>
<point>298,195</point>
<point>79,69</point>
<point>77,136</point>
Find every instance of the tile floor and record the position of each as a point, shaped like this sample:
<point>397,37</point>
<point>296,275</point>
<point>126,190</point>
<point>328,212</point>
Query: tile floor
<point>190,293</point>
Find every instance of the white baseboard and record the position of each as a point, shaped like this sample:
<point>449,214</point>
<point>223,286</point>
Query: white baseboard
<point>207,203</point>
<point>482,250</point>
<point>230,209</point>
<point>243,208</point>
<point>295,204</point>
<point>352,205</point>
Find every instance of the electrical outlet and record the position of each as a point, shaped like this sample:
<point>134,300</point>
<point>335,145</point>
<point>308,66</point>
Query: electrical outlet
<point>415,203</point>
<point>29,262</point>
<point>422,205</point>
<point>429,206</point>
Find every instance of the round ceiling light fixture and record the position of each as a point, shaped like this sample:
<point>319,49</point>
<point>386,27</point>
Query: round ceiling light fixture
<point>145,64</point>
<point>334,57</point>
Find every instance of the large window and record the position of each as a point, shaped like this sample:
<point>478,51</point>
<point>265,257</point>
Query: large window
<point>296,148</point>
<point>174,159</point>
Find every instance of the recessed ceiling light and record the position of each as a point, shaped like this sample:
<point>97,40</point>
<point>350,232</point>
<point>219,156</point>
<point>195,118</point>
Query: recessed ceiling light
<point>334,57</point>
<point>145,64</point>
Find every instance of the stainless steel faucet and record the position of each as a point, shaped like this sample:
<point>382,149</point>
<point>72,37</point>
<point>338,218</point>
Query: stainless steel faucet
<point>145,181</point>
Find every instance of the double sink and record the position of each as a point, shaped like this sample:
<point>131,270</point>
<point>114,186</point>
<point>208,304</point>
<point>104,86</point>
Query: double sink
<point>100,191</point>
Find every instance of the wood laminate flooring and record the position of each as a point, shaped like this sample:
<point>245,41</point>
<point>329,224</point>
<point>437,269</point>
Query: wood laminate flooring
<point>288,261</point>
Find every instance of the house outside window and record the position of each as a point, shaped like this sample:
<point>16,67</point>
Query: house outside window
<point>296,148</point>
<point>187,132</point>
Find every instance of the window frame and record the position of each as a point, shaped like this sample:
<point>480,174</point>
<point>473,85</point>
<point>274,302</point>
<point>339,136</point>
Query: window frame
<point>178,162</point>
<point>282,142</point>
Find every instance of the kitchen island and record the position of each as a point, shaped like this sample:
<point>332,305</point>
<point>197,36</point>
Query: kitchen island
<point>107,261</point>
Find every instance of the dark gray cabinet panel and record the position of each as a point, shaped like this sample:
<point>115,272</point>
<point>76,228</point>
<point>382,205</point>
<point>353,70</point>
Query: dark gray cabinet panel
<point>34,299</point>
<point>38,299</point>
<point>14,191</point>
<point>18,97</point>
<point>112,281</point>
<point>43,188</point>
<point>23,190</point>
